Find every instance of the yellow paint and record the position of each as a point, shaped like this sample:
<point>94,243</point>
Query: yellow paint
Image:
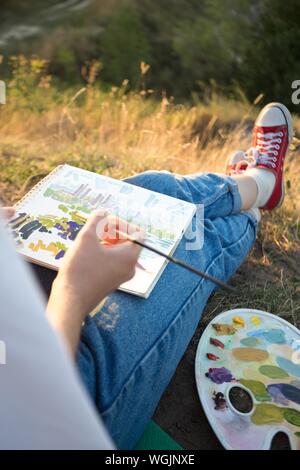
<point>250,354</point>
<point>223,329</point>
<point>255,320</point>
<point>238,321</point>
<point>52,248</point>
<point>266,413</point>
<point>40,245</point>
<point>78,218</point>
<point>64,224</point>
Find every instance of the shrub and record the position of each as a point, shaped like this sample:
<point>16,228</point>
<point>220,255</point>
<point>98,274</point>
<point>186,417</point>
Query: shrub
<point>124,46</point>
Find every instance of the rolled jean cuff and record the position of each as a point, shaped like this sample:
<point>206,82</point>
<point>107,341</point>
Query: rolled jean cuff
<point>236,197</point>
<point>253,219</point>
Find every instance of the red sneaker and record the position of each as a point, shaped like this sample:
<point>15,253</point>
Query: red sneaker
<point>272,133</point>
<point>238,162</point>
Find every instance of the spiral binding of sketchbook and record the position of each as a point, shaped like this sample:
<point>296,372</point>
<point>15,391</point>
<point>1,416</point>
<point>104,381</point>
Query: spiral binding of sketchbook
<point>49,217</point>
<point>37,187</point>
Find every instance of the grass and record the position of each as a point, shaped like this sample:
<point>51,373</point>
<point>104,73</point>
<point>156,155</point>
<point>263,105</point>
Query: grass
<point>118,133</point>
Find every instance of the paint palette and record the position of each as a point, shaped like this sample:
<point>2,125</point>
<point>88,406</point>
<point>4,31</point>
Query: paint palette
<point>248,378</point>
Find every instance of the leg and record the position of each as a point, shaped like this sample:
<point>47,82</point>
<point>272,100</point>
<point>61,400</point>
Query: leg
<point>213,190</point>
<point>219,193</point>
<point>247,189</point>
<point>131,348</point>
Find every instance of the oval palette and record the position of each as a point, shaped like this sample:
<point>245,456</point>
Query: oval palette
<point>248,378</point>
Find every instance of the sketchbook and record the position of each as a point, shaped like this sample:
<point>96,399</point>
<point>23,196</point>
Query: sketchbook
<point>49,217</point>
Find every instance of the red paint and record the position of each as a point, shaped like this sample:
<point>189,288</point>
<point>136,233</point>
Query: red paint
<point>212,357</point>
<point>216,343</point>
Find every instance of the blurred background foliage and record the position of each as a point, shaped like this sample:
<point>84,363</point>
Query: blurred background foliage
<point>194,47</point>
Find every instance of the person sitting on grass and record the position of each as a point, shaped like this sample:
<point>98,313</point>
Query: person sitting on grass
<point>126,353</point>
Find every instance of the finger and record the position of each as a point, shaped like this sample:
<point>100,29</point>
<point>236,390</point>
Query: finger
<point>139,236</point>
<point>120,237</point>
<point>128,228</point>
<point>116,230</point>
<point>128,251</point>
<point>8,212</point>
<point>91,226</point>
<point>108,230</point>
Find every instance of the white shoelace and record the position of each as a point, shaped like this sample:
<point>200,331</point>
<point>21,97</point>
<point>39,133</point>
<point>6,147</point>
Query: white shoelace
<point>266,151</point>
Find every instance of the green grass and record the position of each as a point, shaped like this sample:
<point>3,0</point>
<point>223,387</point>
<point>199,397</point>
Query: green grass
<point>118,134</point>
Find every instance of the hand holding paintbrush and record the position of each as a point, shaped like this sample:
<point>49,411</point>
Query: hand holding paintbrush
<point>119,237</point>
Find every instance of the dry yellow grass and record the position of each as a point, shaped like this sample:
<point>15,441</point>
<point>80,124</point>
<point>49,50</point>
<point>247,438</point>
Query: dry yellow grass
<point>118,134</point>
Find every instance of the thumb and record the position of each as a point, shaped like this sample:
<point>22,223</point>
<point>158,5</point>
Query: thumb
<point>91,226</point>
<point>8,212</point>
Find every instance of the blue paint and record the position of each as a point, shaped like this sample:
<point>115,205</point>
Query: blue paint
<point>289,366</point>
<point>258,333</point>
<point>291,393</point>
<point>294,343</point>
<point>284,393</point>
<point>275,390</point>
<point>274,336</point>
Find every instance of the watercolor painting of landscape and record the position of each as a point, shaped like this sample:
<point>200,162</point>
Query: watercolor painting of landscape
<point>49,218</point>
<point>248,379</point>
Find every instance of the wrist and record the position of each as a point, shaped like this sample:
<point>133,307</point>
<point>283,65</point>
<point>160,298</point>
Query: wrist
<point>65,313</point>
<point>63,299</point>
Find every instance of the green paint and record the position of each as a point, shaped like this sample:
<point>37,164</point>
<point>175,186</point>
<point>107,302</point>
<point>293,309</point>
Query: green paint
<point>63,208</point>
<point>257,388</point>
<point>77,218</point>
<point>266,413</point>
<point>273,372</point>
<point>48,221</point>
<point>227,344</point>
<point>250,342</point>
<point>61,246</point>
<point>292,416</point>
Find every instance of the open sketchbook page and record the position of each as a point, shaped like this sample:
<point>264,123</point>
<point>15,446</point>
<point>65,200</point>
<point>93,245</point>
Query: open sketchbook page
<point>50,217</point>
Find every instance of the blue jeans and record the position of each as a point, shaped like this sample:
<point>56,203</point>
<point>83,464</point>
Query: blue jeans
<point>131,348</point>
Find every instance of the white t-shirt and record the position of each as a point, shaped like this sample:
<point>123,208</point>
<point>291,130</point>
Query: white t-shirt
<point>43,404</point>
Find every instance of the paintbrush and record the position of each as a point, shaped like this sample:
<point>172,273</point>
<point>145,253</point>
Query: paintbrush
<point>179,262</point>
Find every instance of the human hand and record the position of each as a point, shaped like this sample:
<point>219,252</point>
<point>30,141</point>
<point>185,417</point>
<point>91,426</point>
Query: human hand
<point>90,271</point>
<point>7,212</point>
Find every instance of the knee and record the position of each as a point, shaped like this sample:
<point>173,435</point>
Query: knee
<point>151,179</point>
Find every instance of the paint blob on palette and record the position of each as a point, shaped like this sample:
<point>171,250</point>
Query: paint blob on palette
<point>248,378</point>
